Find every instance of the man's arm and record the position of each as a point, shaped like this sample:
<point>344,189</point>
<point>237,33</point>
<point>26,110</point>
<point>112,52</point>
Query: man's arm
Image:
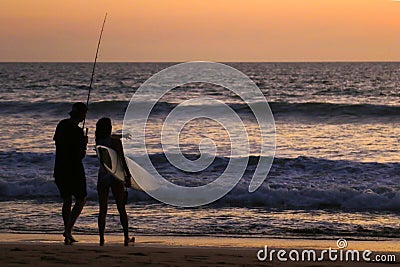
<point>77,142</point>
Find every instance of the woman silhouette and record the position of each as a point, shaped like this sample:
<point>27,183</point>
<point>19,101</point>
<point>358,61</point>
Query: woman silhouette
<point>106,181</point>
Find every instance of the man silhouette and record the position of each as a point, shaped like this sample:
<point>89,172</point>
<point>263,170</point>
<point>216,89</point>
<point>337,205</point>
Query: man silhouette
<point>69,173</point>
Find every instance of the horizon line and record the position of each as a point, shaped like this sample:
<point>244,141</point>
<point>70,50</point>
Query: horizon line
<point>233,61</point>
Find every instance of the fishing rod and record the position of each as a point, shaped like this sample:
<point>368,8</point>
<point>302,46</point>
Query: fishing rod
<point>94,67</point>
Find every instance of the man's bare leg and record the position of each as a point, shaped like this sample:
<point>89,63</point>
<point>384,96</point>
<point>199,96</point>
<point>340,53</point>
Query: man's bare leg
<point>66,211</point>
<point>74,214</point>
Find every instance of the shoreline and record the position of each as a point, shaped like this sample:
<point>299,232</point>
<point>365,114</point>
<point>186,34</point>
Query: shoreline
<point>384,245</point>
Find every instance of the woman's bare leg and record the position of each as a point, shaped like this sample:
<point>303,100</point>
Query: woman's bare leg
<point>103,205</point>
<point>118,193</point>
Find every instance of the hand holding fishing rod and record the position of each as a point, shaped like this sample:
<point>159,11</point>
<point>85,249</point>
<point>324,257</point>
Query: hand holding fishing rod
<point>93,70</point>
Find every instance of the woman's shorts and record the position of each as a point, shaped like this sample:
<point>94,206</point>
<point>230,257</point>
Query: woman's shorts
<point>106,181</point>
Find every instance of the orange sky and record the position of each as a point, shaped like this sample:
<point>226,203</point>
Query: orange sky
<point>216,30</point>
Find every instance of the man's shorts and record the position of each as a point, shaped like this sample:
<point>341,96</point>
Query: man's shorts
<point>68,187</point>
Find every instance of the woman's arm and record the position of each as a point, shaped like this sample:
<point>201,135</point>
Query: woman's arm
<point>117,146</point>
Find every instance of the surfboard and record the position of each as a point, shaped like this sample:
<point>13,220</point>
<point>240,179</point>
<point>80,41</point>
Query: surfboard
<point>109,158</point>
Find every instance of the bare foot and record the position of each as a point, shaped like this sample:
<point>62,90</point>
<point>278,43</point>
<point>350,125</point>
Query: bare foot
<point>67,241</point>
<point>128,241</point>
<point>70,237</point>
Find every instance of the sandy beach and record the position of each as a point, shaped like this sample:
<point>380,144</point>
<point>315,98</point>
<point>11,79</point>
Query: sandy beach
<point>48,250</point>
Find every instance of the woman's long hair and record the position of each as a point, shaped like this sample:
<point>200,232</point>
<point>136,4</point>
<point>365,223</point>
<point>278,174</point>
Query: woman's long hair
<point>103,128</point>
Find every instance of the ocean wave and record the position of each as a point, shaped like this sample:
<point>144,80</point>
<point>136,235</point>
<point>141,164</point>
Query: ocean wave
<point>279,109</point>
<point>331,109</point>
<point>301,182</point>
<point>58,109</point>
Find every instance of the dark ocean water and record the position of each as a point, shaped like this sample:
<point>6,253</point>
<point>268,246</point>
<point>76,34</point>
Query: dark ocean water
<point>336,169</point>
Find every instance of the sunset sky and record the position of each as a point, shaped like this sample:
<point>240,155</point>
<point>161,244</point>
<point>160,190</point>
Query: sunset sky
<point>216,30</point>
